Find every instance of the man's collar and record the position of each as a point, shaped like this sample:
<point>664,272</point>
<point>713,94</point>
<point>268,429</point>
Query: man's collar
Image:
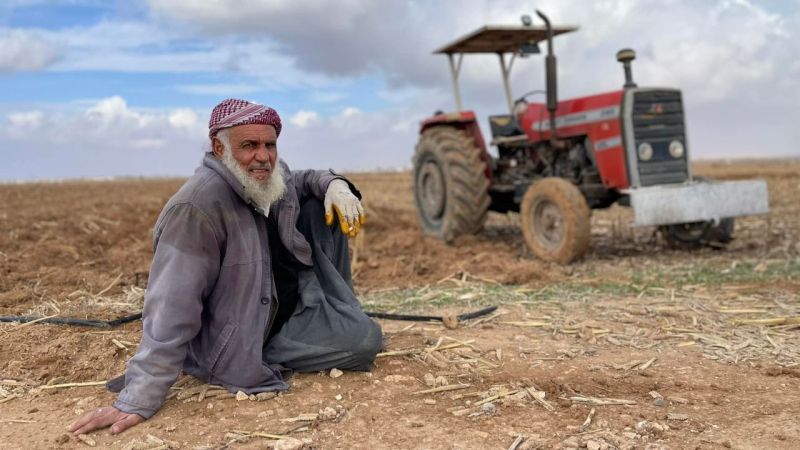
<point>210,161</point>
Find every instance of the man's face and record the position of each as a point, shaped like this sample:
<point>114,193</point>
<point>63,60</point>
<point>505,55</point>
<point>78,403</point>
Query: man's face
<point>254,147</point>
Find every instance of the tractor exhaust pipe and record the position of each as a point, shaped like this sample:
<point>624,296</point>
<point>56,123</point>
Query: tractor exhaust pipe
<point>625,56</point>
<point>550,79</point>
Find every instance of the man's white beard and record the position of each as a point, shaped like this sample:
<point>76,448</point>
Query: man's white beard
<point>263,194</point>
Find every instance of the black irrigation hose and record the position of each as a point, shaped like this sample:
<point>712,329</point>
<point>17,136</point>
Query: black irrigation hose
<point>74,321</point>
<point>137,316</point>
<point>461,317</point>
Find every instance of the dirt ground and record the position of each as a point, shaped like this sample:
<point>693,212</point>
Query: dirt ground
<point>669,349</point>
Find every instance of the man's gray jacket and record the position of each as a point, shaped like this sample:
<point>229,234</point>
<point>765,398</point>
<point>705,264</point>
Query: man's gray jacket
<point>209,303</point>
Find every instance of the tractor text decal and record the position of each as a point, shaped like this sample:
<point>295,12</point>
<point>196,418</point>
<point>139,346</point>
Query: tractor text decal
<point>580,118</point>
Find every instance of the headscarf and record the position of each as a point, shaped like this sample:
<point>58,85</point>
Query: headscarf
<point>233,112</point>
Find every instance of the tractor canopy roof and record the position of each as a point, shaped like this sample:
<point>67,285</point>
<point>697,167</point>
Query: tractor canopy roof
<point>500,39</point>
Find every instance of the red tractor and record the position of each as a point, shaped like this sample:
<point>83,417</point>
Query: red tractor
<point>558,160</point>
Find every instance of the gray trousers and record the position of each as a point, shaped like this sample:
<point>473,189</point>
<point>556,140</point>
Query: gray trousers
<point>328,327</point>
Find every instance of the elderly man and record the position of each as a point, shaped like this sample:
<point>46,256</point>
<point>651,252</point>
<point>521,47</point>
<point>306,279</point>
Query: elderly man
<point>250,278</point>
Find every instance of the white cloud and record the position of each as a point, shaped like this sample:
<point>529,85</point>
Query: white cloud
<point>22,50</point>
<point>304,118</point>
<point>351,111</point>
<point>360,141</point>
<point>184,118</point>
<point>114,111</point>
<point>26,120</point>
<point>105,138</point>
<point>356,36</point>
<point>735,60</point>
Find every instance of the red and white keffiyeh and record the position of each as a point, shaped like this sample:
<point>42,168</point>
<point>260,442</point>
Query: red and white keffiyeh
<point>233,112</point>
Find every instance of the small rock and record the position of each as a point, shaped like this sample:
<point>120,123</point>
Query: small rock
<point>677,416</point>
<point>680,400</point>
<point>328,414</point>
<point>87,440</point>
<point>655,446</point>
<point>170,428</point>
<point>240,396</point>
<point>415,424</point>
<point>266,413</point>
<point>397,378</point>
<point>251,397</point>
<point>136,444</point>
<point>429,379</point>
<point>450,322</point>
<point>572,442</point>
<point>441,381</point>
<point>288,444</point>
<point>339,397</point>
<point>210,405</point>
<point>429,401</point>
<point>646,427</point>
<point>82,403</point>
<point>63,439</point>
<point>592,445</point>
<point>335,373</point>
<point>658,402</point>
<point>33,410</point>
<point>488,408</point>
<point>262,396</point>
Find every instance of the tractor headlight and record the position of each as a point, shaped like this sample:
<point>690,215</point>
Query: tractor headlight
<point>645,151</point>
<point>676,149</point>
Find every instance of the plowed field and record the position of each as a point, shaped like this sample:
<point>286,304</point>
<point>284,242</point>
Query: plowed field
<point>669,349</point>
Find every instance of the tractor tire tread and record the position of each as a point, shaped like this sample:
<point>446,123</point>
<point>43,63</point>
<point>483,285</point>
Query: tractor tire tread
<point>466,185</point>
<point>576,219</point>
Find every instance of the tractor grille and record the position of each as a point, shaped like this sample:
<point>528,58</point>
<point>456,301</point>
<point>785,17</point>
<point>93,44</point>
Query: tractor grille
<point>658,120</point>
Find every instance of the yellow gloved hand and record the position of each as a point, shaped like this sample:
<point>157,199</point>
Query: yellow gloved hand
<point>348,208</point>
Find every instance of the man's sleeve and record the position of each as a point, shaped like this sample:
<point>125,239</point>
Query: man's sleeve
<point>315,182</point>
<point>185,267</point>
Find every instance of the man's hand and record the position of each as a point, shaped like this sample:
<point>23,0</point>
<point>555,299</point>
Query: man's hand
<point>103,417</point>
<point>351,214</point>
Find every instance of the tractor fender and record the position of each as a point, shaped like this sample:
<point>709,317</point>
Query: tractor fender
<point>466,121</point>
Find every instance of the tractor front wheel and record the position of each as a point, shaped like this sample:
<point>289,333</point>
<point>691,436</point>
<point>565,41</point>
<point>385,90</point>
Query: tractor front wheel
<point>555,220</point>
<point>451,190</point>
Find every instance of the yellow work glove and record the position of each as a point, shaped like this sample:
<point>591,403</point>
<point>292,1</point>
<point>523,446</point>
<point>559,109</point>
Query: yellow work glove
<point>347,206</point>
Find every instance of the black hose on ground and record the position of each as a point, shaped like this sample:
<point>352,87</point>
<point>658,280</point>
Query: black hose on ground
<point>130,318</point>
<point>74,321</point>
<point>414,318</point>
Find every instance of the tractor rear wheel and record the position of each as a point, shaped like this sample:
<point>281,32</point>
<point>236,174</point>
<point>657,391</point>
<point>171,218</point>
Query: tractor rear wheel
<point>451,190</point>
<point>555,220</point>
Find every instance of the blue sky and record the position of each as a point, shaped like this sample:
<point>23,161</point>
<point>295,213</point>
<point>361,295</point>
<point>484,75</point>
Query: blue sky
<point>109,88</point>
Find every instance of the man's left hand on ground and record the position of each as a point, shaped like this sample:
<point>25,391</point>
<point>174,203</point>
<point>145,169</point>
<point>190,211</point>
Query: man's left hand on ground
<point>103,417</point>
<point>347,206</point>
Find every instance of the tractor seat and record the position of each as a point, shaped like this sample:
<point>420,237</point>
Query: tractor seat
<point>506,130</point>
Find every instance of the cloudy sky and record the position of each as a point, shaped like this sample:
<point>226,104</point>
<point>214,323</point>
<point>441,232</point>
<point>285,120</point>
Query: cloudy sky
<point>92,88</point>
